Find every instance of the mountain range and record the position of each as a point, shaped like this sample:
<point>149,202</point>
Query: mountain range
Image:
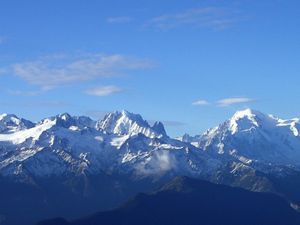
<point>73,166</point>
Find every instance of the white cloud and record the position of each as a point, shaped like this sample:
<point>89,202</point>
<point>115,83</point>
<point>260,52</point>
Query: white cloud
<point>201,102</point>
<point>120,19</point>
<point>53,71</point>
<point>232,101</point>
<point>159,163</point>
<point>210,17</point>
<point>103,91</point>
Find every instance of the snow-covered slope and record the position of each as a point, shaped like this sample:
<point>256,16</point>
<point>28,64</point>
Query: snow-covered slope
<point>251,136</point>
<point>122,143</point>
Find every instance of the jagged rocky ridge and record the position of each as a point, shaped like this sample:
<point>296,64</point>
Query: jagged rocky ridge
<point>122,142</point>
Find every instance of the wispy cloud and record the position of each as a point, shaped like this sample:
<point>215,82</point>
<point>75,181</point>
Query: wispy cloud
<point>103,90</point>
<point>210,17</point>
<point>200,102</point>
<point>224,102</point>
<point>119,19</point>
<point>232,101</point>
<point>53,71</point>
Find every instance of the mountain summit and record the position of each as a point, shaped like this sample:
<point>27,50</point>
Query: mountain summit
<point>10,123</point>
<point>124,122</point>
<point>253,136</point>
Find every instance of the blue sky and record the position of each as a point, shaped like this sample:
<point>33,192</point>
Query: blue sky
<point>188,63</point>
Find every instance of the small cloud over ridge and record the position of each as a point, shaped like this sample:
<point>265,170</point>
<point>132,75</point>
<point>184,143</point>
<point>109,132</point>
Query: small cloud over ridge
<point>232,101</point>
<point>200,102</point>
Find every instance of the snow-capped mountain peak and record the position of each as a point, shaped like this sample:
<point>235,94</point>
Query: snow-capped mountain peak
<point>11,123</point>
<point>65,120</point>
<point>252,135</point>
<point>65,116</point>
<point>61,120</point>
<point>247,113</point>
<point>248,119</point>
<point>126,123</point>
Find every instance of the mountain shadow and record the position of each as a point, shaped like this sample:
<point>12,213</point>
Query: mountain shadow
<point>186,201</point>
